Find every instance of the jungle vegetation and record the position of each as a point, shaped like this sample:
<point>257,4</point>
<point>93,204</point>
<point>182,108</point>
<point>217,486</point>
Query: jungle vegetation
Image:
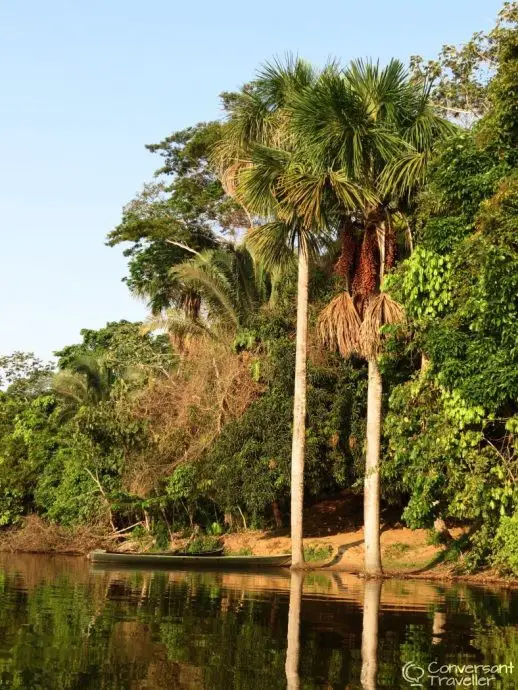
<point>331,272</point>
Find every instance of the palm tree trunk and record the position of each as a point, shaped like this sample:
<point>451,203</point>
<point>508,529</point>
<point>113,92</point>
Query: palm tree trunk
<point>299,413</point>
<point>371,501</point>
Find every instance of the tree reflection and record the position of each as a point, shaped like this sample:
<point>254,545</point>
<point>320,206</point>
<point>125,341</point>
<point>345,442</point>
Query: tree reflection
<point>293,651</point>
<point>63,627</point>
<point>371,604</point>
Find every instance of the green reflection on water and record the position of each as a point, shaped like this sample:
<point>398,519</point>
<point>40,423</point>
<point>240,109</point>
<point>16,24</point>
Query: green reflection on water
<point>63,625</point>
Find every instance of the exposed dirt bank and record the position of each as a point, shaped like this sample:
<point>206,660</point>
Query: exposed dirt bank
<point>405,554</point>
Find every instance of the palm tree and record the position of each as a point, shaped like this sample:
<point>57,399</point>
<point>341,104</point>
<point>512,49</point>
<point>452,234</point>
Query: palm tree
<point>379,129</point>
<point>230,286</point>
<point>253,156</point>
<point>87,380</point>
<point>273,178</point>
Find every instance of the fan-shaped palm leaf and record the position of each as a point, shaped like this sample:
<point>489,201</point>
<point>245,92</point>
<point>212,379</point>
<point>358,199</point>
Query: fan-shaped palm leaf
<point>273,244</point>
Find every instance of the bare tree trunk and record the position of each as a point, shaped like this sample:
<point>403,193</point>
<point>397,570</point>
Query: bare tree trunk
<point>371,603</point>
<point>293,650</point>
<point>299,413</point>
<point>371,500</point>
<point>277,515</point>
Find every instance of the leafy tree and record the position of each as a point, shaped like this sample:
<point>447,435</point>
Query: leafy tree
<point>452,428</point>
<point>24,375</point>
<point>462,75</point>
<point>174,217</point>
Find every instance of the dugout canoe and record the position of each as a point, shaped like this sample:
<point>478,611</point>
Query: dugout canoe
<point>172,561</point>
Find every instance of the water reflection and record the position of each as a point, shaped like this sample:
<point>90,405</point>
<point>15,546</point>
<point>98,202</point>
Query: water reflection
<point>293,647</point>
<point>371,605</point>
<point>64,625</point>
<point>439,626</point>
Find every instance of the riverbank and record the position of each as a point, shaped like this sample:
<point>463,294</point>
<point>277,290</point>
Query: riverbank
<point>406,554</point>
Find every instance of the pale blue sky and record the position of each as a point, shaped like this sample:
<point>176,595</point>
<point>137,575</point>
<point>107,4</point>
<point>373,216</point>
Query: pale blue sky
<point>86,83</point>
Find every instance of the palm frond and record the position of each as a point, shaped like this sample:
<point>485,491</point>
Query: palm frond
<point>273,244</point>
<point>380,90</point>
<point>352,195</point>
<point>70,385</point>
<point>180,329</point>
<point>381,311</point>
<point>302,192</point>
<point>402,175</point>
<point>339,325</point>
<point>211,277</point>
<point>278,79</point>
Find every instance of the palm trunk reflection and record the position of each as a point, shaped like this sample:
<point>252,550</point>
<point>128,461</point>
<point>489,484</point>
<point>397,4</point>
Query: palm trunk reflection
<point>371,603</point>
<point>292,653</point>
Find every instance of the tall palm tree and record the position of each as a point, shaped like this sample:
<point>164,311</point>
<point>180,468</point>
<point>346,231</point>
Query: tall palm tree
<point>253,156</point>
<point>262,165</point>
<point>379,129</point>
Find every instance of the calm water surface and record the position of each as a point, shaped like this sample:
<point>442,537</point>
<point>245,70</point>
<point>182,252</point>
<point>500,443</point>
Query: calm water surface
<point>66,625</point>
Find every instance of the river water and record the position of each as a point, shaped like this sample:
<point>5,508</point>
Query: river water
<point>65,624</point>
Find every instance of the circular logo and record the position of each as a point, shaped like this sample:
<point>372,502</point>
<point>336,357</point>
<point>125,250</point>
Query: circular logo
<point>412,673</point>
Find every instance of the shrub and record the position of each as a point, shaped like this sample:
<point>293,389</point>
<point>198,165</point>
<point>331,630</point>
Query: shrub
<point>396,550</point>
<point>203,543</point>
<point>314,552</point>
<point>506,545</point>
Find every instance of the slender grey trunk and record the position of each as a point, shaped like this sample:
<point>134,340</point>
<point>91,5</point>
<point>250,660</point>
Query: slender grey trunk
<point>293,650</point>
<point>371,503</point>
<point>299,413</point>
<point>371,603</point>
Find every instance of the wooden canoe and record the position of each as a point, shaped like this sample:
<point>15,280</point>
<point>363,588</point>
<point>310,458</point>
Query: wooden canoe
<point>170,561</point>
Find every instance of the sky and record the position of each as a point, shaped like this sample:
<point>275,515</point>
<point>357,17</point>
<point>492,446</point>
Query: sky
<point>85,84</point>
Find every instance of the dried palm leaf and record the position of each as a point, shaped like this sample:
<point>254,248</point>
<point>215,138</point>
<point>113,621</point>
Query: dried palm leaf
<point>339,325</point>
<point>381,311</point>
<point>228,178</point>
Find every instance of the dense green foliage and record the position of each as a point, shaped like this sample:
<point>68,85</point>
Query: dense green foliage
<point>452,427</point>
<point>193,427</point>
